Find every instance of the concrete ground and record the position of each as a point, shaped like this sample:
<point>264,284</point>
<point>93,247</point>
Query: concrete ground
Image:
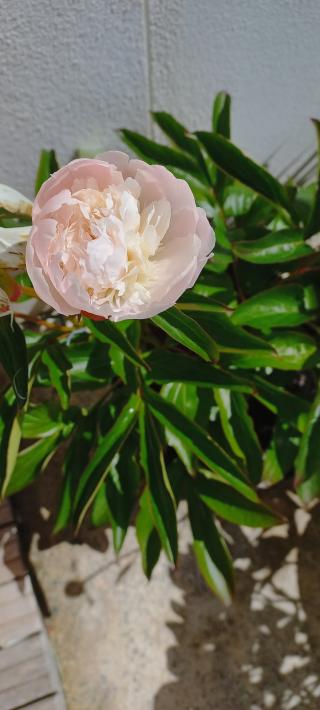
<point>125,644</point>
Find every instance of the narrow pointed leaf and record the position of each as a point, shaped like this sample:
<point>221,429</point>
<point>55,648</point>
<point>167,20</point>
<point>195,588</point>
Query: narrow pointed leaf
<point>98,467</point>
<point>30,461</point>
<point>275,308</point>
<point>47,165</point>
<point>59,371</point>
<point>13,357</point>
<point>221,114</point>
<point>232,506</point>
<point>167,366</point>
<point>154,152</point>
<point>200,442</point>
<point>308,458</point>
<point>275,248</point>
<point>147,535</point>
<point>108,332</point>
<point>161,497</point>
<point>187,332</point>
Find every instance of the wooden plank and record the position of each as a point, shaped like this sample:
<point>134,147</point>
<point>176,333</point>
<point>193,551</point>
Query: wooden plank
<point>56,702</point>
<point>27,648</point>
<point>28,692</point>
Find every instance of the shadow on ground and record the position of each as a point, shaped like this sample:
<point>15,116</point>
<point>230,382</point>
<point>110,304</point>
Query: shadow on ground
<point>263,651</point>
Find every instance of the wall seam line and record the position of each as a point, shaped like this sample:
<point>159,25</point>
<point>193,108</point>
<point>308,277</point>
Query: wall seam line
<point>146,12</point>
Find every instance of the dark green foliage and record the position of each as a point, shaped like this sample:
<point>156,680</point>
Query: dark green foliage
<point>199,405</point>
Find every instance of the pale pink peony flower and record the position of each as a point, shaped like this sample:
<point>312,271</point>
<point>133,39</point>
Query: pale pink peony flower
<point>116,238</point>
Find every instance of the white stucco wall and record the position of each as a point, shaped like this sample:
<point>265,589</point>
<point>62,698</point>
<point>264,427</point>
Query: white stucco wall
<point>72,71</point>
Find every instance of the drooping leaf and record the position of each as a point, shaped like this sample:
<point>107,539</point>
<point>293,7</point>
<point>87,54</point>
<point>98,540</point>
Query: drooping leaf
<point>229,337</point>
<point>200,442</point>
<point>232,506</point>
<point>280,454</point>
<point>178,134</point>
<point>210,550</point>
<point>221,114</point>
<point>185,398</point>
<point>161,496</point>
<point>13,357</point>
<point>30,461</point>
<point>188,332</point>
<point>96,471</point>
<point>308,459</point>
<point>166,366</point>
<point>239,431</point>
<point>10,437</point>
<point>42,420</point>
<point>59,367</point>
<point>108,332</point>
<point>147,535</point>
<point>75,462</point>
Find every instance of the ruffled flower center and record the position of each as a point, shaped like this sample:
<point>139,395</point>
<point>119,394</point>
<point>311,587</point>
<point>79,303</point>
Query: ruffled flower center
<point>108,245</point>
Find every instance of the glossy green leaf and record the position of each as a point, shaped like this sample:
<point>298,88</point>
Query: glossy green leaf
<point>308,458</point>
<point>291,350</point>
<point>47,165</point>
<point>232,506</point>
<point>147,535</point>
<point>154,152</point>
<point>288,406</point>
<point>187,332</point>
<point>235,163</point>
<point>118,494</point>
<point>239,431</point>
<point>178,134</point>
<point>161,496</point>
<point>75,461</point>
<point>185,398</point>
<point>42,420</point>
<point>313,225</point>
<point>96,471</point>
<point>275,248</point>
<point>13,357</point>
<point>221,114</point>
<point>229,337</point>
<point>166,366</point>
<point>280,454</point>
<point>210,550</point>
<point>275,308</point>
<point>200,442</point>
<point>30,462</point>
<point>10,436</point>
<point>108,332</point>
<point>59,367</point>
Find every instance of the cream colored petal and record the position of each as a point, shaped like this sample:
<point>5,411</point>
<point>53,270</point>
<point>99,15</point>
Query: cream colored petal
<point>13,201</point>
<point>9,236</point>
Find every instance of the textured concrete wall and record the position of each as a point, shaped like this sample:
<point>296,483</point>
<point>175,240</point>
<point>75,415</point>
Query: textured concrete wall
<point>74,70</point>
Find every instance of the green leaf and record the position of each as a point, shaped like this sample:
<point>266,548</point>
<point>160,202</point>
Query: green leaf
<point>187,332</point>
<point>10,436</point>
<point>108,332</point>
<point>119,494</point>
<point>13,357</point>
<point>238,200</point>
<point>221,113</point>
<point>75,462</point>
<point>161,496</point>
<point>185,398</point>
<point>98,467</point>
<point>308,458</point>
<point>233,162</point>
<point>287,405</point>
<point>41,420</point>
<point>313,225</point>
<point>47,165</point>
<point>210,550</point>
<point>239,431</point>
<point>147,535</point>
<point>30,461</point>
<point>275,248</point>
<point>275,308</point>
<point>232,506</point>
<point>291,350</point>
<point>59,368</point>
<point>200,442</point>
<point>166,366</point>
<point>229,337</point>
<point>178,134</point>
<point>279,456</point>
<point>90,364</point>
<point>154,152</point>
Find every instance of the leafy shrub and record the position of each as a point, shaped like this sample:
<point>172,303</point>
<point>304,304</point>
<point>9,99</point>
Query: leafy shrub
<point>207,403</point>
